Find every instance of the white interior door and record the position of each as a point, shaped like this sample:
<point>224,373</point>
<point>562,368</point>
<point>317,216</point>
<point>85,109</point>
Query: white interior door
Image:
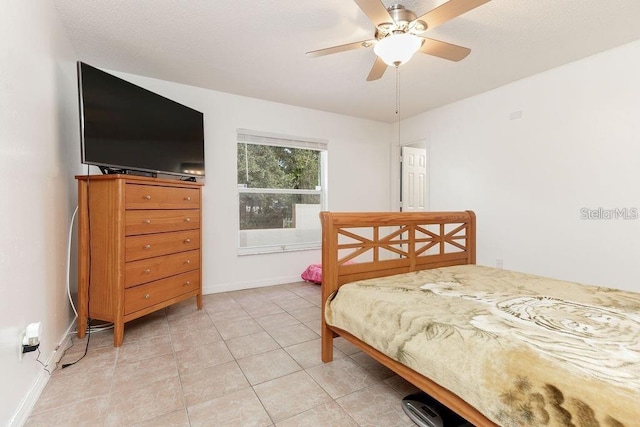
<point>413,181</point>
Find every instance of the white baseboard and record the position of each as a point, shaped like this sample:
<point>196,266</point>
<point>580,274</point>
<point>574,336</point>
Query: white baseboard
<point>238,286</point>
<point>30,400</point>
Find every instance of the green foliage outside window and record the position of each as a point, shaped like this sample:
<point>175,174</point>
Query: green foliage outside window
<point>273,167</point>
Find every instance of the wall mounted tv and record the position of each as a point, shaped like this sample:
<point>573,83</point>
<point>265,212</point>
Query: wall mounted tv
<point>127,129</point>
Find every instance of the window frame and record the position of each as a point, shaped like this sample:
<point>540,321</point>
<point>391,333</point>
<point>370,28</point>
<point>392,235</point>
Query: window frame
<point>245,136</point>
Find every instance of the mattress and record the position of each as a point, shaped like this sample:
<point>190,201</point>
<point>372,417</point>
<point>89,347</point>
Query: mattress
<point>524,350</point>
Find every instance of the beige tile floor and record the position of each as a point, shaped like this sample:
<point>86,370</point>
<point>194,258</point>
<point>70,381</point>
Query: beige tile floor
<point>250,358</point>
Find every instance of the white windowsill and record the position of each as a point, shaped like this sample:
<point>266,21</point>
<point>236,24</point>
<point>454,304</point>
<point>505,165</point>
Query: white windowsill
<point>277,249</point>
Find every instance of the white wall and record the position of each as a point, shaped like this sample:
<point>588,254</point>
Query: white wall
<point>576,144</point>
<point>39,155</point>
<point>40,149</point>
<point>358,162</point>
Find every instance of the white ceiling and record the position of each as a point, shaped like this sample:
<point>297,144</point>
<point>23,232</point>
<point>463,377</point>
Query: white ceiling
<point>257,48</point>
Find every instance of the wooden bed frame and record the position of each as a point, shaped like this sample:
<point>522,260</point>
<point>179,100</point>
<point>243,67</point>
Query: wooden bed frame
<point>394,243</point>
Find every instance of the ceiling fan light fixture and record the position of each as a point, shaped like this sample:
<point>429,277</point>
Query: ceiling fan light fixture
<point>397,49</point>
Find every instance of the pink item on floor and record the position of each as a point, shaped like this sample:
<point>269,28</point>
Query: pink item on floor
<point>313,274</point>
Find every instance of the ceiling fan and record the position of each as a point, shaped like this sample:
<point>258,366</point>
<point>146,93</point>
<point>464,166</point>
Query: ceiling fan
<point>399,33</point>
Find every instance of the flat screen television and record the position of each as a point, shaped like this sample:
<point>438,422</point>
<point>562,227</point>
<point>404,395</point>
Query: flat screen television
<point>128,129</point>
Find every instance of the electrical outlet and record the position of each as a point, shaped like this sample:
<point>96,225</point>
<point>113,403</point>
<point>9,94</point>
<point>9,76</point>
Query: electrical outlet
<point>29,339</point>
<point>499,263</point>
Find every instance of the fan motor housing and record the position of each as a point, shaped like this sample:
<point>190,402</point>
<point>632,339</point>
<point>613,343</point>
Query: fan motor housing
<point>401,15</point>
<point>404,20</point>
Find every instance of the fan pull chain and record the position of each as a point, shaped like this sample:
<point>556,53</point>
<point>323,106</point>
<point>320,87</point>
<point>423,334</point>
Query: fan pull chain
<point>398,91</point>
<point>398,99</point>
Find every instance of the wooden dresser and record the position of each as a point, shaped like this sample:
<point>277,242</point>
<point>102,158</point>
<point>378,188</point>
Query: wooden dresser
<point>138,247</point>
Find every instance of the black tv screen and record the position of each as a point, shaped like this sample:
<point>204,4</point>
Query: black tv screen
<point>126,128</point>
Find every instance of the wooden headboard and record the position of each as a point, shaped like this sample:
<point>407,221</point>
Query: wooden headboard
<point>358,246</point>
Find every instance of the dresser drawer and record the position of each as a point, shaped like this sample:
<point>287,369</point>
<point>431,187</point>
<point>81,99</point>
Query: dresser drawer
<point>159,221</point>
<point>147,270</point>
<point>152,245</point>
<point>147,295</point>
<point>139,196</point>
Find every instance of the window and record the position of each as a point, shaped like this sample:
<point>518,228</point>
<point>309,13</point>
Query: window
<point>281,191</point>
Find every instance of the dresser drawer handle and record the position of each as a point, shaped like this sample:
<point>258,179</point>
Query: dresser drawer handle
<point>147,247</point>
<point>147,271</point>
<point>188,261</point>
<point>147,221</point>
<point>187,283</point>
<point>148,197</point>
<point>187,219</point>
<point>147,296</point>
<point>188,198</point>
<point>187,240</point>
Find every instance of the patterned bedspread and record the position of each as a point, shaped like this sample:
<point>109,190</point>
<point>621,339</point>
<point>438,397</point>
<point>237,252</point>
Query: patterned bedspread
<point>524,350</point>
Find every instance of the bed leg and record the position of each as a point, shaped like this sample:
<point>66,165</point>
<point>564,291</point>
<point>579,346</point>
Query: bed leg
<point>327,343</point>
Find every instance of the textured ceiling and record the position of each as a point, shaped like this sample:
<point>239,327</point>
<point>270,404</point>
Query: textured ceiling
<point>257,48</point>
